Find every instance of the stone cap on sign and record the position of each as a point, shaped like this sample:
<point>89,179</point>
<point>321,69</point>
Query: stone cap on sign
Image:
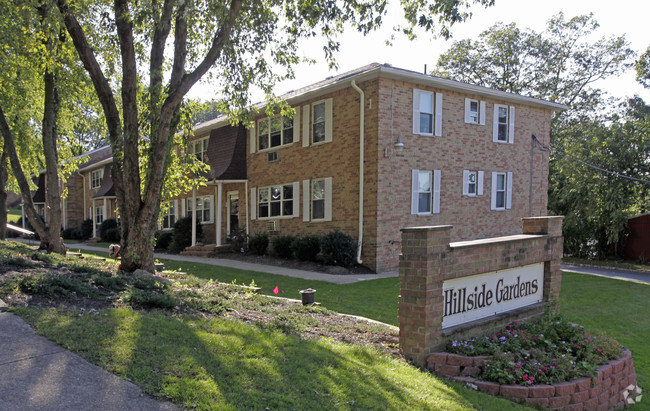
<point>494,240</point>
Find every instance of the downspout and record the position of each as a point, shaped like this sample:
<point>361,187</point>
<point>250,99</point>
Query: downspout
<point>361,160</point>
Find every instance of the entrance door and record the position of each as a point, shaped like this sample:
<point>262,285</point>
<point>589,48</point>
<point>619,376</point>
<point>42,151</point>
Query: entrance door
<point>233,212</point>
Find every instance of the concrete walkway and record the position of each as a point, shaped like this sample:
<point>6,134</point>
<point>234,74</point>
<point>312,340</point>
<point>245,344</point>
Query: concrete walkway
<point>36,374</point>
<point>615,273</point>
<point>271,269</point>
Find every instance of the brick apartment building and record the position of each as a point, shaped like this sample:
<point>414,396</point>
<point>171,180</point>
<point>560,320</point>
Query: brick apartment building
<point>367,153</point>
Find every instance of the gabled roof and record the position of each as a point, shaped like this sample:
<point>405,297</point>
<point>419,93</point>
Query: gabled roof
<point>95,157</point>
<point>106,189</point>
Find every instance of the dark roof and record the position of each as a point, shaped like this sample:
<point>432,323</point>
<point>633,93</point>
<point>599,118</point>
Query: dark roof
<point>39,194</point>
<point>106,189</point>
<point>95,156</point>
<point>226,153</point>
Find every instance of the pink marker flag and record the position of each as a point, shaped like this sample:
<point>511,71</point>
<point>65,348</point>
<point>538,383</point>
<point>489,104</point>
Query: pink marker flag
<point>276,290</point>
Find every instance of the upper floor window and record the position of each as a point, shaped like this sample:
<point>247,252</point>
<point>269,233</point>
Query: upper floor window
<point>501,191</point>
<point>504,124</point>
<point>96,178</point>
<point>199,148</point>
<point>317,122</point>
<point>425,192</point>
<point>274,132</point>
<point>427,113</point>
<point>474,111</point>
<point>472,183</point>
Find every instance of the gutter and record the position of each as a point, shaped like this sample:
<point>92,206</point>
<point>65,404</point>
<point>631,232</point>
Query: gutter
<point>361,160</point>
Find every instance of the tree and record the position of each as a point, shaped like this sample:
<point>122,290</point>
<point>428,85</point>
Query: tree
<point>237,43</point>
<point>643,69</point>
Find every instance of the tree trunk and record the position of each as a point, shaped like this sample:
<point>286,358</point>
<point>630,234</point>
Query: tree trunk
<point>4,174</point>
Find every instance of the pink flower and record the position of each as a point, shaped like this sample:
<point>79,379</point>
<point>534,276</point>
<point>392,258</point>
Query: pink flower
<point>530,381</point>
<point>525,377</point>
<point>532,378</point>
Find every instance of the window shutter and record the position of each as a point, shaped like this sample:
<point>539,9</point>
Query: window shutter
<point>481,115</point>
<point>495,124</point>
<point>296,125</point>
<point>253,139</point>
<point>296,199</point>
<point>511,126</point>
<point>493,205</point>
<point>465,181</point>
<point>438,119</point>
<point>328,120</point>
<point>328,199</point>
<point>305,125</point>
<point>479,183</point>
<point>306,200</point>
<point>253,203</point>
<point>416,111</point>
<point>414,191</point>
<point>467,106</point>
<point>509,191</point>
<point>436,191</point>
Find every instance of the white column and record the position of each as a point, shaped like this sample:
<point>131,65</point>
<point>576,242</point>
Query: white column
<point>193,216</point>
<point>247,210</point>
<point>92,216</point>
<point>219,212</point>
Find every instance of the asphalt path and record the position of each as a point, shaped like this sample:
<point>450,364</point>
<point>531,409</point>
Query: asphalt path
<point>615,273</point>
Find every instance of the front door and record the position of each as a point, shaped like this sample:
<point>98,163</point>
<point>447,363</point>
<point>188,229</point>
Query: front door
<point>233,213</point>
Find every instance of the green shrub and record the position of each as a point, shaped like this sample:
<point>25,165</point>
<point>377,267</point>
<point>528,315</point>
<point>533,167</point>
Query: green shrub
<point>282,245</point>
<point>109,231</point>
<point>238,240</point>
<point>183,233</point>
<point>339,249</point>
<point>258,243</point>
<point>163,239</point>
<point>306,248</point>
<point>71,234</point>
<point>149,299</point>
<point>86,229</point>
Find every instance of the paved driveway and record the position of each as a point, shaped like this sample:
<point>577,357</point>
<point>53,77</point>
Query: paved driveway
<point>616,273</point>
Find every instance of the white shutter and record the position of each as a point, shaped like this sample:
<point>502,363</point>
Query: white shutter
<point>493,204</point>
<point>511,126</point>
<point>296,125</point>
<point>438,119</point>
<point>296,199</point>
<point>252,139</point>
<point>416,111</point>
<point>414,191</point>
<point>306,112</point>
<point>481,114</point>
<point>468,103</point>
<point>328,198</point>
<point>509,191</point>
<point>306,200</point>
<point>253,203</point>
<point>479,184</point>
<point>328,120</point>
<point>436,191</point>
<point>495,124</point>
<point>465,181</point>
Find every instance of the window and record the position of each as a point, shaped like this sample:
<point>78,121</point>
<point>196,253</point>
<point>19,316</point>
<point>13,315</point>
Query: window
<point>472,183</point>
<point>99,216</point>
<point>96,178</point>
<point>474,111</point>
<point>504,124</point>
<point>501,191</point>
<point>317,123</point>
<point>199,148</point>
<point>317,200</point>
<point>274,132</point>
<point>427,113</point>
<point>425,192</point>
<point>277,201</point>
<point>169,217</point>
<point>203,209</point>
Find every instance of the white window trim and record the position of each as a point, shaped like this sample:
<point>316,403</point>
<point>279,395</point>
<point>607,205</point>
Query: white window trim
<point>437,112</point>
<point>194,143</point>
<point>92,179</point>
<point>508,191</point>
<point>478,191</point>
<point>202,198</point>
<point>435,192</point>
<point>510,137</point>
<point>162,217</point>
<point>481,111</point>
<point>307,204</point>
<point>254,139</point>
<point>296,203</point>
<point>308,123</point>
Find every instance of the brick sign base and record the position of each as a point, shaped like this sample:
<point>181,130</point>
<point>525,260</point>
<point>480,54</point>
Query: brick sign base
<point>608,390</point>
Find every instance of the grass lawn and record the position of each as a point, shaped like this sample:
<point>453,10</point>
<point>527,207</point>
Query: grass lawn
<point>629,265</point>
<point>13,215</point>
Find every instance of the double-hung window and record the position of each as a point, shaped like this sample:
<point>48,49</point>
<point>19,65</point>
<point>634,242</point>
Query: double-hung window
<point>474,111</point>
<point>277,201</point>
<point>317,199</point>
<point>96,178</point>
<point>99,215</point>
<point>501,191</point>
<point>427,113</point>
<point>199,149</point>
<point>169,216</point>
<point>504,124</point>
<point>425,192</point>
<point>274,132</point>
<point>204,206</point>
<point>472,183</point>
<point>317,123</point>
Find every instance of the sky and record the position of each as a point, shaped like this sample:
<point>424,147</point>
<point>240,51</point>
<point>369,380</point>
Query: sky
<point>628,17</point>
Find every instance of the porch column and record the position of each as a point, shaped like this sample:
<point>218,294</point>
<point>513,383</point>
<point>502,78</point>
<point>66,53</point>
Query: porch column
<point>92,216</point>
<point>193,216</point>
<point>219,212</point>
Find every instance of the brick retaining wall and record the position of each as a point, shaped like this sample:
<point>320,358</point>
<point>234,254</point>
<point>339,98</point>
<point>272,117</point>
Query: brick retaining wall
<point>605,391</point>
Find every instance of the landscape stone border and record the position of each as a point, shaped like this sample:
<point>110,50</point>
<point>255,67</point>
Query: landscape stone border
<point>607,390</point>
